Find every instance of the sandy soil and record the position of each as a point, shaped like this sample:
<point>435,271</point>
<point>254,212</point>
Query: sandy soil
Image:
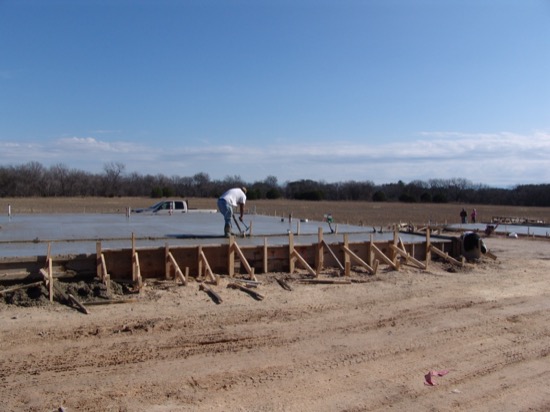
<point>358,347</point>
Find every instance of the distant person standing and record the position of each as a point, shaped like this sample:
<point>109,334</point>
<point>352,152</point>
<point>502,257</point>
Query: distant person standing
<point>235,197</point>
<point>473,216</point>
<point>463,215</point>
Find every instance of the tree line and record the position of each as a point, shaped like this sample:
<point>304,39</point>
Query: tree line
<point>34,180</point>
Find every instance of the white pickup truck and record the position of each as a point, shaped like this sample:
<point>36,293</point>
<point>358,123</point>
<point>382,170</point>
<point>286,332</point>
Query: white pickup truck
<point>165,207</point>
<point>170,207</point>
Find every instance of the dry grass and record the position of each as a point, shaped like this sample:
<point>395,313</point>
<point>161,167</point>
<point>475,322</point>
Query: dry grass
<point>365,213</point>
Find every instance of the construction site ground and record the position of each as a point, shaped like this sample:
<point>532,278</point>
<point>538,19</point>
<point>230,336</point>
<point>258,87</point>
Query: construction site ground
<point>364,346</point>
<point>446,339</point>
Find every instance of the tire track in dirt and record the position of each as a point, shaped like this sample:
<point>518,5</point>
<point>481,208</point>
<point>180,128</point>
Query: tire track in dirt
<point>449,337</point>
<point>329,346</point>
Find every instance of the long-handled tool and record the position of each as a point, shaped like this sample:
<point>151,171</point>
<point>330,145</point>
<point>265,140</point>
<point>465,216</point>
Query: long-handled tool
<point>247,228</point>
<point>239,226</point>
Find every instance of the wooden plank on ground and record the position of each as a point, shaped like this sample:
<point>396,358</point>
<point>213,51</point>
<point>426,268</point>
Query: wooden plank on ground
<point>213,295</point>
<point>19,287</point>
<point>253,293</point>
<point>327,281</point>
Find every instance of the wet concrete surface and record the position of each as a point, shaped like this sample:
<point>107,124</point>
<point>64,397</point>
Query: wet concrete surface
<point>504,229</point>
<point>29,235</point>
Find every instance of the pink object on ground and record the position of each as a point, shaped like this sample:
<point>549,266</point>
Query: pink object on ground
<point>430,374</point>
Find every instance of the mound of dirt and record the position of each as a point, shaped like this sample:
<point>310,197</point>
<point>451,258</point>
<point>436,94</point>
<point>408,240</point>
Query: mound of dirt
<point>36,296</point>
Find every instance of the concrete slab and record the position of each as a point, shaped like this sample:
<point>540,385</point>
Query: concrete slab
<point>29,235</point>
<point>504,229</point>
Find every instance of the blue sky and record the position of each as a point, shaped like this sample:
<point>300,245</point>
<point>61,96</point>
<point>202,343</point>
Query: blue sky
<point>329,90</point>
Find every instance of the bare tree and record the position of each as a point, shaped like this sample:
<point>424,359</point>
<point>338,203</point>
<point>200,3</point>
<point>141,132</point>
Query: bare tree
<point>111,183</point>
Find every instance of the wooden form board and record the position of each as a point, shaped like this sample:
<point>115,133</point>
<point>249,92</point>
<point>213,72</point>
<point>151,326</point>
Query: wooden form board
<point>231,259</point>
<point>124,265</point>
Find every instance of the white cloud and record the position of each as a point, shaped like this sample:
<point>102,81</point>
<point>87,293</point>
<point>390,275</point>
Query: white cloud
<point>495,159</point>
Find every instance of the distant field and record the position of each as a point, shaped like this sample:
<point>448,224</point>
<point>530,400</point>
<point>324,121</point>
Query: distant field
<point>365,213</point>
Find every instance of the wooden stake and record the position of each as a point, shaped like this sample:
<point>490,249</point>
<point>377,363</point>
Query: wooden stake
<point>249,270</point>
<point>178,273</point>
<point>408,257</point>
<point>347,262</point>
<point>266,256</point>
<point>428,248</point>
<point>204,262</point>
<point>231,257</point>
<point>446,256</point>
<point>78,304</point>
<point>291,258</point>
<point>383,257</point>
<point>136,269</point>
<point>327,246</point>
<point>303,262</point>
<point>358,260</point>
<point>320,254</point>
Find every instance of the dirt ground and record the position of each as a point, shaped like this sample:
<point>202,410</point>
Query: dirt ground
<point>356,213</point>
<point>365,346</point>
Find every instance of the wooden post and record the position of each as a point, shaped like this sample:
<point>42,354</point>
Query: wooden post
<point>371,242</point>
<point>347,261</point>
<point>394,255</point>
<point>200,263</point>
<point>138,280</point>
<point>320,255</point>
<point>428,248</point>
<point>231,257</point>
<point>101,268</point>
<point>134,274</point>
<point>99,273</point>
<point>291,258</point>
<point>106,276</point>
<point>136,268</point>
<point>50,277</point>
<point>265,256</point>
<point>167,265</point>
